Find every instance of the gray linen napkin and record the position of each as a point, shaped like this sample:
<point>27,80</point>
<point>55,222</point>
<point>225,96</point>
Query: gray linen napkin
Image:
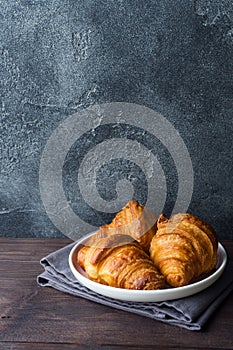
<point>191,312</point>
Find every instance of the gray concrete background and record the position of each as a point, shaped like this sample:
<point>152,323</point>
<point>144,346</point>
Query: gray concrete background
<point>59,57</point>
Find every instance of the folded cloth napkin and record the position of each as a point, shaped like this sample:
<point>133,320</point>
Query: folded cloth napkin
<point>191,312</point>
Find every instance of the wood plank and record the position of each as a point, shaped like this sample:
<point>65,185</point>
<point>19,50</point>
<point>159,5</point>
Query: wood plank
<point>29,249</point>
<point>54,346</point>
<point>40,346</point>
<point>30,314</point>
<point>72,321</point>
<point>65,346</point>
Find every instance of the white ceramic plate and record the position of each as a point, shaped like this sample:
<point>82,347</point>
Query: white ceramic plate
<point>145,295</point>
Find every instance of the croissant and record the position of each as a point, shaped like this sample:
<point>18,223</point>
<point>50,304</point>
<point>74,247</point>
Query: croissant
<point>118,261</point>
<point>134,220</point>
<point>183,248</point>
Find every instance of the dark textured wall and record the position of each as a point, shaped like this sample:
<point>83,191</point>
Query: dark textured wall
<point>59,57</point>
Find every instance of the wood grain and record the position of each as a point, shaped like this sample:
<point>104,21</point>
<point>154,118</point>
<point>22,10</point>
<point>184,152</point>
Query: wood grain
<point>33,317</point>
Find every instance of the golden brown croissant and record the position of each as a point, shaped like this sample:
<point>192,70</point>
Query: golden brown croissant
<point>134,220</point>
<point>183,248</point>
<point>118,261</point>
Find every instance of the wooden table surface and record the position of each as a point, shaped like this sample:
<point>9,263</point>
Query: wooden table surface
<point>33,317</point>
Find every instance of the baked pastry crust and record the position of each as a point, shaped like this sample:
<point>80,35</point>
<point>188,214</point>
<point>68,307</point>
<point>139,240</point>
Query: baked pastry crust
<point>134,220</point>
<point>118,261</point>
<point>183,248</point>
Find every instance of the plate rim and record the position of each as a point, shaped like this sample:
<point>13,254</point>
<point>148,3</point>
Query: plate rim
<point>146,295</point>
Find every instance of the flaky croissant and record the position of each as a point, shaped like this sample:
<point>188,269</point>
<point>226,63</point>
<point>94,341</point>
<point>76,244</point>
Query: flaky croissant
<point>118,261</point>
<point>134,220</point>
<point>183,248</point>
